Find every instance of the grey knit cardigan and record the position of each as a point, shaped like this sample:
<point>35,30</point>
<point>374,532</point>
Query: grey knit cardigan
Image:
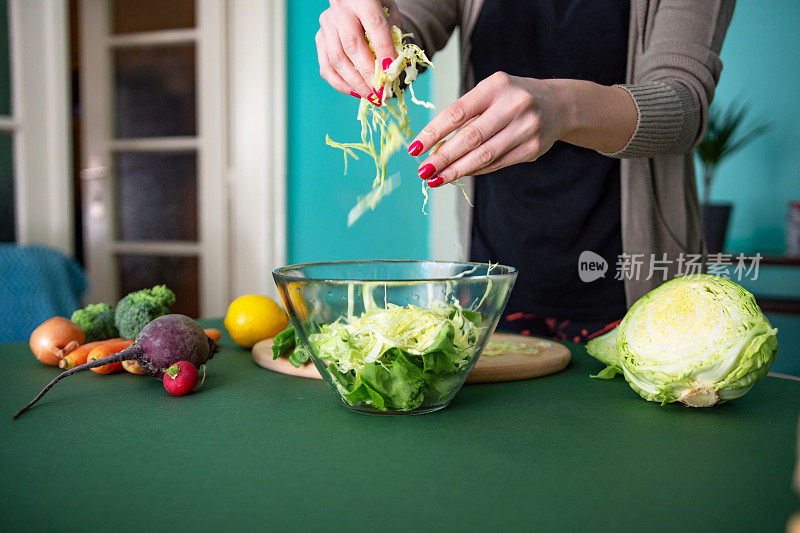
<point>672,70</point>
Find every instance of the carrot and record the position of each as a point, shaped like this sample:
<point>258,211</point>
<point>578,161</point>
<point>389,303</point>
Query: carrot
<point>104,350</point>
<point>214,334</point>
<point>132,367</point>
<point>78,355</point>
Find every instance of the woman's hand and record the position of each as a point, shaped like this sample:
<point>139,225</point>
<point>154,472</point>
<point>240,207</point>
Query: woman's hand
<point>345,60</point>
<point>507,120</point>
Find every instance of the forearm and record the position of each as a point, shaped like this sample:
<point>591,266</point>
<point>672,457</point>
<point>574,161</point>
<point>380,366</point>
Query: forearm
<point>597,116</point>
<point>506,120</point>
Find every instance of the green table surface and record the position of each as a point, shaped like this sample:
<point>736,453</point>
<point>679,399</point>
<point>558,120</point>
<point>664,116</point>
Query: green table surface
<point>259,450</point>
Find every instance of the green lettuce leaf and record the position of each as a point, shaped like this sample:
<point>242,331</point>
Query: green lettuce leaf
<point>354,390</point>
<point>604,349</point>
<point>397,357</point>
<point>399,383</point>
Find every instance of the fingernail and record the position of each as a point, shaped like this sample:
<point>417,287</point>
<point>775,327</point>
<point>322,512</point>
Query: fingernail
<point>435,182</point>
<point>426,171</point>
<point>415,148</point>
<point>387,61</point>
<point>353,93</point>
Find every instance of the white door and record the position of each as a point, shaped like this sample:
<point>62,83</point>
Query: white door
<point>155,206</point>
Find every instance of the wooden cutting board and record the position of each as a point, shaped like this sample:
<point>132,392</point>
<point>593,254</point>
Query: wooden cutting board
<point>514,361</point>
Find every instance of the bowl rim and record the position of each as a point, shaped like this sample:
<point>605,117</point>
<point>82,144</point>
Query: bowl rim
<point>279,272</point>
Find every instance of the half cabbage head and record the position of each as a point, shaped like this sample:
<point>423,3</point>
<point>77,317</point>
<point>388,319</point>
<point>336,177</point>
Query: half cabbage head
<point>696,339</point>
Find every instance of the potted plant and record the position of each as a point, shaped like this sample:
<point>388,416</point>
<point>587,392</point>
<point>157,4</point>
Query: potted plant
<point>722,138</point>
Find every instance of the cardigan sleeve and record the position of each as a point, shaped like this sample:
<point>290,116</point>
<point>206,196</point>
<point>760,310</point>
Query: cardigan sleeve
<point>432,23</point>
<point>673,80</point>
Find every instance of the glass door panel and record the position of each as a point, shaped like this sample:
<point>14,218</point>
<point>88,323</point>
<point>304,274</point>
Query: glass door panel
<point>5,61</point>
<point>178,273</point>
<point>155,91</point>
<point>152,15</point>
<point>7,211</point>
<point>156,196</point>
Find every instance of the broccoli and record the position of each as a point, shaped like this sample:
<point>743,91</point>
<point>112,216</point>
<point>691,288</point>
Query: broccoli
<point>137,309</point>
<point>97,321</point>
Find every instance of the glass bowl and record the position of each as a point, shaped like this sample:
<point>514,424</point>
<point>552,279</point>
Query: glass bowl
<point>394,337</point>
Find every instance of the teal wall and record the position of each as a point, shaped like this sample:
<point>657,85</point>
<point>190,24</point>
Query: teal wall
<point>761,66</point>
<point>319,195</point>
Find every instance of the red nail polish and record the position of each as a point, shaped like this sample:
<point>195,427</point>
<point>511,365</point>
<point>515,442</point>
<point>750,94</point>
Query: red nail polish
<point>353,93</point>
<point>415,148</point>
<point>435,182</point>
<point>387,61</point>
<point>426,171</point>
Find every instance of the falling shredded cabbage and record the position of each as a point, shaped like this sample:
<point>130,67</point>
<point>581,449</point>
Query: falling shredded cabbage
<point>373,197</point>
<point>389,121</point>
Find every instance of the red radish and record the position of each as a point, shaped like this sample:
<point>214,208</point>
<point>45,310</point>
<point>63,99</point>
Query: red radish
<point>160,344</point>
<point>180,378</point>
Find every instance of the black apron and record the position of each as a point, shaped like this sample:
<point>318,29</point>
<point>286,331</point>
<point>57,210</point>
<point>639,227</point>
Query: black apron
<point>540,216</point>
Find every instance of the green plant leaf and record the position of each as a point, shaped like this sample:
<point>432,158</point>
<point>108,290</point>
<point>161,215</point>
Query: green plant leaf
<point>723,125</point>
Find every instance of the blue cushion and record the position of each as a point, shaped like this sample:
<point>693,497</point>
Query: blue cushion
<point>36,283</point>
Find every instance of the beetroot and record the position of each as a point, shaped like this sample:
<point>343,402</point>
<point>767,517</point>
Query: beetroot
<point>180,378</point>
<point>162,343</point>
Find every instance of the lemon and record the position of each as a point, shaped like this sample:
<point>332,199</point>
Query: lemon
<point>252,318</point>
<point>296,302</point>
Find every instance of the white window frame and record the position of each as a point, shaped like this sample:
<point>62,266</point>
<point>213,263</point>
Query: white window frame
<point>41,115</point>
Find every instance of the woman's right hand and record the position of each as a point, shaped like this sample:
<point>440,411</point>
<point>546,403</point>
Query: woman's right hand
<point>345,60</point>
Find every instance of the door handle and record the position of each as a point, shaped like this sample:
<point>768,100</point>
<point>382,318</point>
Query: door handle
<point>94,176</point>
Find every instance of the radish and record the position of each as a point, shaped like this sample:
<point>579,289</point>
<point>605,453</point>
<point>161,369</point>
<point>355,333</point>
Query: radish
<point>163,342</point>
<point>180,378</point>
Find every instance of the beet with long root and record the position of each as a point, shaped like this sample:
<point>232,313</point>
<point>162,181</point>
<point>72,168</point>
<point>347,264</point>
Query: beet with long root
<point>162,343</point>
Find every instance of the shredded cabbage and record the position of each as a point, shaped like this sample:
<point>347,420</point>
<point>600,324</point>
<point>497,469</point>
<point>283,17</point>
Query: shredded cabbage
<point>353,342</point>
<point>494,348</point>
<point>389,122</point>
<point>396,357</point>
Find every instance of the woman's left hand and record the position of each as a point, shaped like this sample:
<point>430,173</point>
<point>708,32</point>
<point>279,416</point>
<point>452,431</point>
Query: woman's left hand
<point>504,120</point>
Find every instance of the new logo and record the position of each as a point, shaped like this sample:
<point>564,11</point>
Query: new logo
<point>591,266</point>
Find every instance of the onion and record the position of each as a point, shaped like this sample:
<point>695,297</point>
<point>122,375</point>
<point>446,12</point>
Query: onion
<point>55,338</point>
